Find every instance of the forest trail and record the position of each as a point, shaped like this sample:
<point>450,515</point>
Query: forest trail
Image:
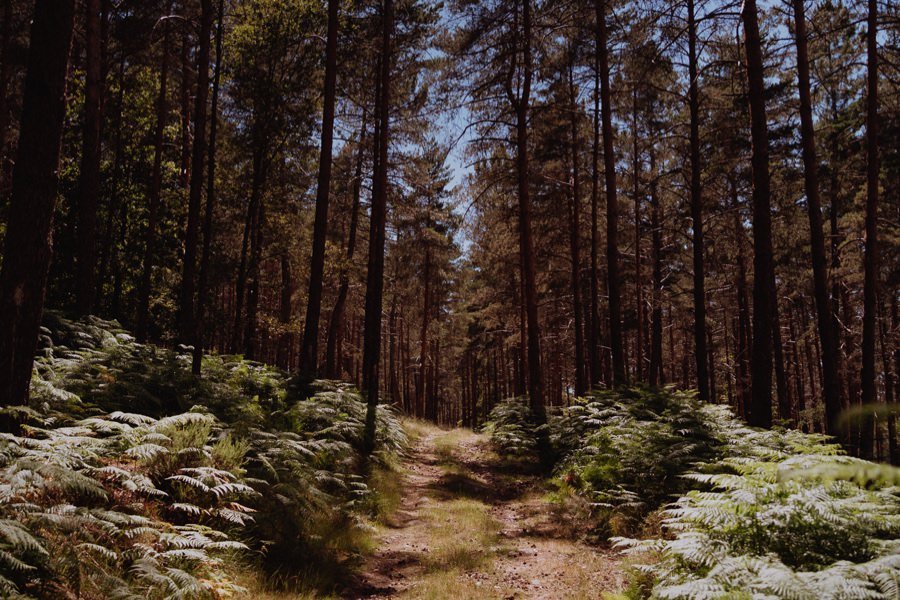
<point>471,526</point>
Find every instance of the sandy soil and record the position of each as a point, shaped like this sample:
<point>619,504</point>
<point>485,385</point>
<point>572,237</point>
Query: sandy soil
<point>535,558</point>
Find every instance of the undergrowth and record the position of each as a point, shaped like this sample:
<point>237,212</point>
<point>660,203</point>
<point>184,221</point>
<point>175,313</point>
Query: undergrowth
<point>131,478</point>
<point>720,509</point>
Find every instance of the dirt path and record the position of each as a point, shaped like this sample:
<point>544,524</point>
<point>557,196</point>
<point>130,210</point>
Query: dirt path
<point>471,527</point>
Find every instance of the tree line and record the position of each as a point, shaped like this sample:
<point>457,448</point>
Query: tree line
<point>450,204</point>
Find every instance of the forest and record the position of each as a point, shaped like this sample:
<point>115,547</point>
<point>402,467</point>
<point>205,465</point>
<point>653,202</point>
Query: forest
<point>450,299</point>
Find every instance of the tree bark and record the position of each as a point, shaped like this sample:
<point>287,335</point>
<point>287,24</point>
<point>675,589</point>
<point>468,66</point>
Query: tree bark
<point>595,321</point>
<point>526,244</point>
<point>868,396</point>
<point>5,68</point>
<point>375,275</point>
<point>309,354</point>
<point>155,188</point>
<point>831,384</point>
<point>89,170</point>
<point>656,377</point>
<point>422,384</point>
<point>760,409</point>
<point>612,207</point>
<point>575,236</point>
<point>205,257</point>
<point>28,244</point>
<point>186,293</point>
<point>336,322</point>
<point>700,350</point>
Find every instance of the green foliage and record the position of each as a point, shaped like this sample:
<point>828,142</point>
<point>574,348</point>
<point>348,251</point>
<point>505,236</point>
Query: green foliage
<point>510,428</point>
<point>98,502</point>
<point>756,514</point>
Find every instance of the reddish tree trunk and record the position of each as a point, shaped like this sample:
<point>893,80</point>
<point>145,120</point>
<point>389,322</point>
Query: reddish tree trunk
<point>309,348</point>
<point>760,409</point>
<point>378,211</point>
<point>831,384</point>
<point>575,238</point>
<point>612,208</point>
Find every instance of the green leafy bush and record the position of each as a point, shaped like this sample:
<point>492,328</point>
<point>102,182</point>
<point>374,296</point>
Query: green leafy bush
<point>511,431</point>
<point>98,499</point>
<point>746,513</point>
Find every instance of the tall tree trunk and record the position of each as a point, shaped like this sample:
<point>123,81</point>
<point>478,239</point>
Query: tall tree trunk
<point>375,275</point>
<point>205,257</point>
<point>89,170</point>
<point>700,351</point>
<point>257,181</point>
<point>575,235</point>
<point>743,302</point>
<point>526,244</point>
<point>28,244</point>
<point>185,101</point>
<point>283,358</point>
<point>421,383</point>
<point>656,377</point>
<point>831,384</point>
<point>186,293</point>
<point>612,208</point>
<point>309,354</point>
<point>5,69</point>
<point>870,285</point>
<point>155,188</point>
<point>253,279</point>
<point>760,413</point>
<point>638,282</point>
<point>336,322</point>
<point>595,321</point>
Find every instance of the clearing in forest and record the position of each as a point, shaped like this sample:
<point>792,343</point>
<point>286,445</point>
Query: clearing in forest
<point>471,526</point>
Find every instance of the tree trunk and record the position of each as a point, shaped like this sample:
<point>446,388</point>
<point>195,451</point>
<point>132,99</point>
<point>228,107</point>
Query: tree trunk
<point>155,188</point>
<point>28,244</point>
<point>205,257</point>
<point>700,351</point>
<point>309,354</point>
<point>526,244</point>
<point>256,190</point>
<point>575,236</point>
<point>656,377</point>
<point>421,383</point>
<point>5,68</point>
<point>612,207</point>
<point>89,170</point>
<point>336,322</point>
<point>760,413</point>
<point>638,283</point>
<point>831,384</point>
<point>868,396</point>
<point>283,357</point>
<point>595,321</point>
<point>253,277</point>
<point>186,79</point>
<point>375,275</point>
<point>192,233</point>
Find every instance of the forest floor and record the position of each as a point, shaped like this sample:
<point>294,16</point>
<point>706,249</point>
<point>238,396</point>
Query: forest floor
<point>470,525</point>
